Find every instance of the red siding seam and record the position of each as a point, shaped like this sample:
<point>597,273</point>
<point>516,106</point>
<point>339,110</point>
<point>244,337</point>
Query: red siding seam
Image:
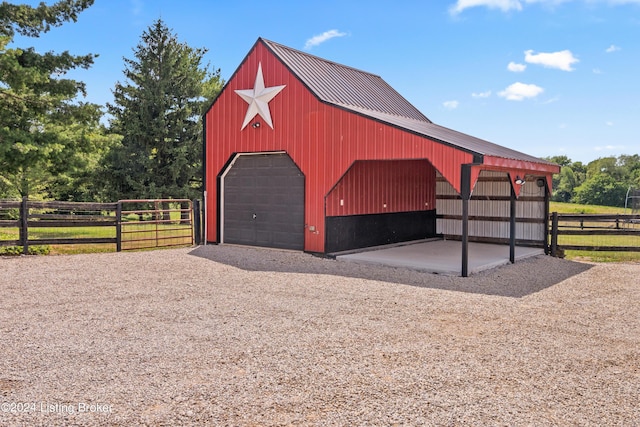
<point>401,185</point>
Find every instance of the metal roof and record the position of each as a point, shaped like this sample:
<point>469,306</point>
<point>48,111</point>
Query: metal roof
<point>345,86</point>
<point>369,95</point>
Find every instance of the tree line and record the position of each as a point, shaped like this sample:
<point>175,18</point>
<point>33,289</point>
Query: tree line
<point>146,144</point>
<point>604,181</point>
<point>55,146</point>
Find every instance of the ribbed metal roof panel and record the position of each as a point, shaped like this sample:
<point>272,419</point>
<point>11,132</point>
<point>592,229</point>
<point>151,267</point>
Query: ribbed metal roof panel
<point>368,95</point>
<point>345,86</point>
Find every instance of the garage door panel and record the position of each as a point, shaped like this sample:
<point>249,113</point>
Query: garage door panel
<point>264,202</point>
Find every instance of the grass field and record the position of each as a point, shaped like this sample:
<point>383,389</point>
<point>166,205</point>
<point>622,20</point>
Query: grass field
<point>574,208</point>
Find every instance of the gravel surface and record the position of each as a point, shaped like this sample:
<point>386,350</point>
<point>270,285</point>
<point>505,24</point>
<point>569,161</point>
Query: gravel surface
<point>224,335</point>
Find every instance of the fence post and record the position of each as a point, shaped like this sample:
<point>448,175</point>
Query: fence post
<point>24,225</point>
<point>197,222</point>
<point>554,234</point>
<point>119,226</point>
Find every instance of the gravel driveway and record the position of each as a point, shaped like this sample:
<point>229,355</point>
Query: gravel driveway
<point>224,335</point>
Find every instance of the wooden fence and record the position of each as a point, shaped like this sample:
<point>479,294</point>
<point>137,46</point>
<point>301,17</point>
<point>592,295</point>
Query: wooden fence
<point>144,223</point>
<point>615,233</point>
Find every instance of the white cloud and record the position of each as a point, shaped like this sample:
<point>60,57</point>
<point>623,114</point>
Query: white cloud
<point>612,48</point>
<point>616,2</point>
<point>516,68</point>
<point>481,94</point>
<point>503,5</point>
<point>561,60</point>
<point>508,5</point>
<point>610,148</point>
<point>136,7</point>
<point>450,105</point>
<point>597,71</point>
<point>609,123</point>
<point>519,91</point>
<point>321,38</point>
<point>551,100</point>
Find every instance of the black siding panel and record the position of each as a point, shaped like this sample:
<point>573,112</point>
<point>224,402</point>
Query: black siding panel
<point>362,231</point>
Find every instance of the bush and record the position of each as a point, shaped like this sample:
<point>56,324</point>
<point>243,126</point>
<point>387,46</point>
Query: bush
<point>601,189</point>
<point>17,250</point>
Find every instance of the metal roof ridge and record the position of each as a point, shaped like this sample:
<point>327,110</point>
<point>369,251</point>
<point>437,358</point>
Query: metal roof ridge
<point>364,110</point>
<point>271,42</point>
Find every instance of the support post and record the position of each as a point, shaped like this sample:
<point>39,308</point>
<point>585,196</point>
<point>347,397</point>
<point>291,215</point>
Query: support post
<point>546,218</point>
<point>24,225</point>
<point>197,222</point>
<point>512,227</point>
<point>554,234</point>
<point>465,186</point>
<point>465,237</point>
<point>204,219</point>
<point>119,227</point>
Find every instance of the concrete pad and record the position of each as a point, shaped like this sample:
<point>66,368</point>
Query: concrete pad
<point>441,256</point>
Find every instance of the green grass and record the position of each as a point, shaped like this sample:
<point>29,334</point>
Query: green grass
<point>89,248</point>
<point>66,233</point>
<point>574,208</point>
<point>597,256</point>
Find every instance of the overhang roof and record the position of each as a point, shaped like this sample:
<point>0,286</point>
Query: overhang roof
<point>369,95</point>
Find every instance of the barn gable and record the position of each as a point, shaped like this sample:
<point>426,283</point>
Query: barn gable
<point>369,160</point>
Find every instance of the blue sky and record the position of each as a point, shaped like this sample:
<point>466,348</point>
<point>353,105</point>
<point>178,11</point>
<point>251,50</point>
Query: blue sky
<point>546,77</point>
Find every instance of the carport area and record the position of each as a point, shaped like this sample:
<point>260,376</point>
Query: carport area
<point>440,256</point>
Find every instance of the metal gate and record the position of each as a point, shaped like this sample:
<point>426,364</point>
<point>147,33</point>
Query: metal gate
<point>155,223</point>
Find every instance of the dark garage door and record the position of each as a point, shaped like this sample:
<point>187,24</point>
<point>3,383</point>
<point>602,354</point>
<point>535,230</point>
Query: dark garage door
<point>264,202</point>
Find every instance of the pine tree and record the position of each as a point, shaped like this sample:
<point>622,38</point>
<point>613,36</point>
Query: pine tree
<point>35,98</point>
<point>158,113</point>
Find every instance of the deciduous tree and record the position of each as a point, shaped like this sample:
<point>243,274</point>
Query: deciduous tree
<point>36,98</point>
<point>601,189</point>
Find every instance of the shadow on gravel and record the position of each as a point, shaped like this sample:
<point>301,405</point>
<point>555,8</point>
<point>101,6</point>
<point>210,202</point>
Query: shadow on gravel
<point>515,280</point>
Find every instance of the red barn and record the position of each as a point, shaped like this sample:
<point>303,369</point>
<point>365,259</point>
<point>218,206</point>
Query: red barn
<point>304,153</point>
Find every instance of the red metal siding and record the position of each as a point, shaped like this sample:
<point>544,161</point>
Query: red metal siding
<point>384,186</point>
<point>322,140</point>
<point>522,168</point>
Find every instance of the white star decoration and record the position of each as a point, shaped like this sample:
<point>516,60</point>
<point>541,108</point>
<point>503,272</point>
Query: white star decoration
<point>258,99</point>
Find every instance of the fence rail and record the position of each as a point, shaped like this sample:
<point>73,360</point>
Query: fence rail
<point>140,224</point>
<point>594,232</point>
